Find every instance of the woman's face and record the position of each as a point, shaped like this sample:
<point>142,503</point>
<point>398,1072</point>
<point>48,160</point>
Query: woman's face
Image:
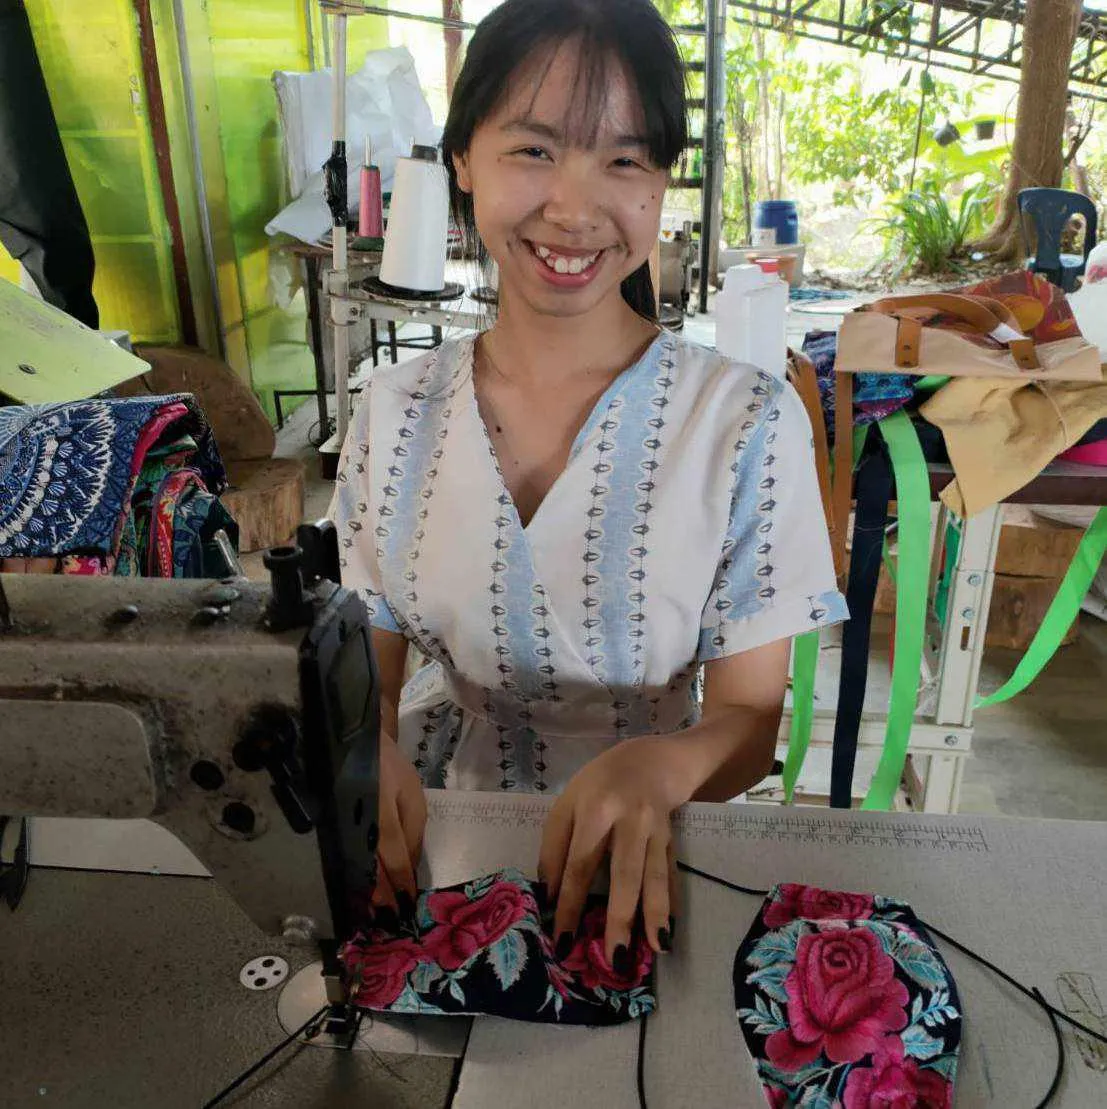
<point>566,219</point>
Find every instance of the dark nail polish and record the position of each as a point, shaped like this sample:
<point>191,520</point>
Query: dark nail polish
<point>406,904</point>
<point>664,940</point>
<point>672,928</point>
<point>564,945</point>
<point>620,961</point>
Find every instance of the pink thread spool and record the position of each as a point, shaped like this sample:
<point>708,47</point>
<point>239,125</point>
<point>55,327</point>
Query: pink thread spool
<point>370,218</point>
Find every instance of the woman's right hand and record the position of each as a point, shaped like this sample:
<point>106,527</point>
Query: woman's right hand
<point>402,816</point>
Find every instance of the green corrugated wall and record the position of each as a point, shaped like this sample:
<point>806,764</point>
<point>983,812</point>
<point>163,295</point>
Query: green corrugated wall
<point>90,55</point>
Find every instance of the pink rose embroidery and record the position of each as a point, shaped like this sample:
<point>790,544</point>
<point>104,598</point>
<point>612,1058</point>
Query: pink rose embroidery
<point>463,928</point>
<point>812,903</point>
<point>843,998</point>
<point>381,970</point>
<point>588,961</point>
<point>893,1082</point>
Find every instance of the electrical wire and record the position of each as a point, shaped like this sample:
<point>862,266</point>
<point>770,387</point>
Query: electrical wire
<point>271,1054</point>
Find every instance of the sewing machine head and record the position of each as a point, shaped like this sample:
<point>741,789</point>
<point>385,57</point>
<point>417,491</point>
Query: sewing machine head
<point>243,718</point>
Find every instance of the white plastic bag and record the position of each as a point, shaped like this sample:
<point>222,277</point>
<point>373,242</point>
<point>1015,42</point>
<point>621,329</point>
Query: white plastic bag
<point>384,100</point>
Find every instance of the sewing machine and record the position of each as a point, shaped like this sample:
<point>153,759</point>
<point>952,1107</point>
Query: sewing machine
<point>242,718</point>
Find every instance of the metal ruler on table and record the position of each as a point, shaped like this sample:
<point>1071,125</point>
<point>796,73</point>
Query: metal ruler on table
<point>736,821</point>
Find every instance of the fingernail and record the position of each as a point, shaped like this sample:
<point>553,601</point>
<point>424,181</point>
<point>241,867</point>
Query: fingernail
<point>406,904</point>
<point>564,945</point>
<point>664,940</point>
<point>620,961</point>
<point>672,928</point>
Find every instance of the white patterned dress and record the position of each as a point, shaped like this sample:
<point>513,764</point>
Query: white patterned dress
<point>686,526</point>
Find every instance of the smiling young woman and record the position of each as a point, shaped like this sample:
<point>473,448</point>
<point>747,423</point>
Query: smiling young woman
<point>574,514</point>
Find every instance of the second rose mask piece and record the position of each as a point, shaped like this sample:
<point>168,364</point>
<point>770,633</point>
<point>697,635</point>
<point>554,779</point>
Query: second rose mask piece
<point>845,1002</point>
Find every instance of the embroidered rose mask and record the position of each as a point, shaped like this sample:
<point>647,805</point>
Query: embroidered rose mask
<point>481,948</point>
<point>844,1001</point>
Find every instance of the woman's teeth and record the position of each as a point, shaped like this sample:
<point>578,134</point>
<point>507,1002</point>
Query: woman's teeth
<point>560,264</point>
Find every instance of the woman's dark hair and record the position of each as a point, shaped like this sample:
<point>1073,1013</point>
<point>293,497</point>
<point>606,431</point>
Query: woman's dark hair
<point>630,32</point>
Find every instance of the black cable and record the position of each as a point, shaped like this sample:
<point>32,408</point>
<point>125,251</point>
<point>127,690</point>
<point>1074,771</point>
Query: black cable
<point>1060,1050</point>
<point>642,1061</point>
<point>1032,994</point>
<point>266,1058</point>
<point>720,881</point>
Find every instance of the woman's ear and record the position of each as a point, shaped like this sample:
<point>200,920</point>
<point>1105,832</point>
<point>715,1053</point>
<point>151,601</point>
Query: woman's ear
<point>461,171</point>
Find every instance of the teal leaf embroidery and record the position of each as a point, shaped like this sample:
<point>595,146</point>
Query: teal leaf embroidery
<point>766,1017</point>
<point>919,1044</point>
<point>945,1065</point>
<point>777,946</point>
<point>552,998</point>
<point>410,1002</point>
<point>477,889</point>
<point>817,1097</point>
<point>424,976</point>
<point>456,991</point>
<point>937,1012</point>
<point>508,957</point>
<point>887,935</point>
<point>771,980</point>
<point>919,961</point>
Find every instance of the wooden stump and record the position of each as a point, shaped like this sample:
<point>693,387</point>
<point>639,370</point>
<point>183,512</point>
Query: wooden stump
<point>266,498</point>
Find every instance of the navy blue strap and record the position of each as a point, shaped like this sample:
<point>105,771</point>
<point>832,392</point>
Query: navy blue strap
<point>872,491</point>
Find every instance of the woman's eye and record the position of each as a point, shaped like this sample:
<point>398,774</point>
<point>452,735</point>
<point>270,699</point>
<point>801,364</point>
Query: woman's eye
<point>627,163</point>
<point>533,152</point>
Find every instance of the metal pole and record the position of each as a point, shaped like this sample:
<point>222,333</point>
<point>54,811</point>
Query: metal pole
<point>340,277</point>
<point>714,131</point>
<point>206,235</point>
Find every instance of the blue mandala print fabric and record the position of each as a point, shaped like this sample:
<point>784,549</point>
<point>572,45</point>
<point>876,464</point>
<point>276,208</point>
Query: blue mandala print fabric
<point>68,470</point>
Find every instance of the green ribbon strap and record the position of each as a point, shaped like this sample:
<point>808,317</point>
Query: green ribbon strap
<point>805,661</point>
<point>913,499</point>
<point>1063,610</point>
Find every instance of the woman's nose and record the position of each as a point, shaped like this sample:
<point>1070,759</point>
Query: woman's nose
<point>573,201</point>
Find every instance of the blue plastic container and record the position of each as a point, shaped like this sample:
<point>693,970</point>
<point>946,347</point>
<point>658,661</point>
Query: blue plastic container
<point>782,217</point>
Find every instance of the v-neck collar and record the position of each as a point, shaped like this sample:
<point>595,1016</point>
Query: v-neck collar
<point>595,417</point>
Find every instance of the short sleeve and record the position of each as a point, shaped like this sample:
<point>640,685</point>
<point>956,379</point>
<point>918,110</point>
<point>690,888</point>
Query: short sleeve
<point>775,576</point>
<point>350,510</point>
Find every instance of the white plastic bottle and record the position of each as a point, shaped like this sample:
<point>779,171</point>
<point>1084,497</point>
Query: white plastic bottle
<point>751,319</point>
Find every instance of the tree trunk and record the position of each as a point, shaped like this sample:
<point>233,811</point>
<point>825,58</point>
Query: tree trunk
<point>743,132</point>
<point>780,147</point>
<point>764,109</point>
<point>1048,37</point>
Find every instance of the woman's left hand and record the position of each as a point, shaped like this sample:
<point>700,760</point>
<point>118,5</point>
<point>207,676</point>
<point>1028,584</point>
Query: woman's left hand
<point>620,804</point>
